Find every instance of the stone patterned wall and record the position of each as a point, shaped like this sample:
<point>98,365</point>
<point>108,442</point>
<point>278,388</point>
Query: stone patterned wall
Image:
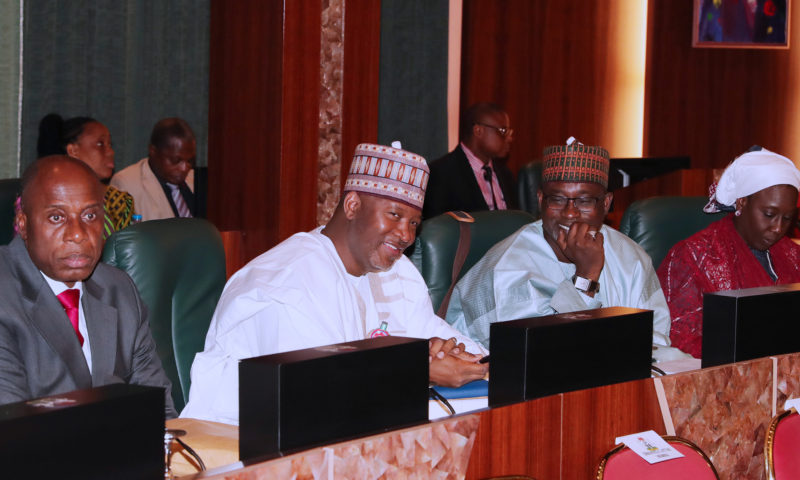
<point>437,450</point>
<point>725,410</point>
<point>788,381</point>
<point>330,108</point>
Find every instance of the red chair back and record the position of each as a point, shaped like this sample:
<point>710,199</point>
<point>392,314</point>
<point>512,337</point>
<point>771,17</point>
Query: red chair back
<point>782,446</point>
<point>621,463</point>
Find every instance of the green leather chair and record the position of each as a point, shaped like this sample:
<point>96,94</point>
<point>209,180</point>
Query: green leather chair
<point>658,223</point>
<point>178,265</point>
<point>9,189</point>
<point>529,179</point>
<point>435,247</point>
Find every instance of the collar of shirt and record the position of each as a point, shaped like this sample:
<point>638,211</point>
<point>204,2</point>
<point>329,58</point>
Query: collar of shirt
<point>477,168</point>
<point>166,185</point>
<point>475,162</point>
<point>58,287</point>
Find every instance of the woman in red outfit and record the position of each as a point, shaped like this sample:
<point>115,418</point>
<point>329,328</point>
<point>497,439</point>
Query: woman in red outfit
<point>748,248</point>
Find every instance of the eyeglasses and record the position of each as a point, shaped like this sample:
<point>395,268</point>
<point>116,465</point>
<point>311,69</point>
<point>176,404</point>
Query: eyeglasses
<point>502,131</point>
<point>584,204</point>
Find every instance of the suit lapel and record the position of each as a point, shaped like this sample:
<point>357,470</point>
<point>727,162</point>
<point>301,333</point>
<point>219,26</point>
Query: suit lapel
<point>155,192</point>
<point>48,316</point>
<point>101,322</point>
<point>469,183</point>
<point>507,185</point>
<point>54,326</point>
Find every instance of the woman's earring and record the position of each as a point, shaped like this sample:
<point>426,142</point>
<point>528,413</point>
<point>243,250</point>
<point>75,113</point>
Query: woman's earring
<point>738,213</point>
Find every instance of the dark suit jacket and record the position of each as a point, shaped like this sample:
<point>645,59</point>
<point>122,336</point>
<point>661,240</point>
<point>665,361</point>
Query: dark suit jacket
<point>453,186</point>
<point>39,351</point>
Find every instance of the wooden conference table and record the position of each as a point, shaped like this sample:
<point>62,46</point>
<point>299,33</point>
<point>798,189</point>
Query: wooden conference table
<point>725,410</point>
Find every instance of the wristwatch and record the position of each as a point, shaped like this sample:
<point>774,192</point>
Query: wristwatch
<point>585,285</point>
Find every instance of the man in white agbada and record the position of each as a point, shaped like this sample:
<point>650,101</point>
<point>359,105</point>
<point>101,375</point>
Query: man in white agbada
<point>346,281</point>
<point>565,262</point>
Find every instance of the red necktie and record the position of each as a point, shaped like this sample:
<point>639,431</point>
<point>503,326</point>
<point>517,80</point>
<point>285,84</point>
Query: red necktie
<point>70,300</point>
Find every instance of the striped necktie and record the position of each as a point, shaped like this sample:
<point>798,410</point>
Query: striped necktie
<point>180,203</point>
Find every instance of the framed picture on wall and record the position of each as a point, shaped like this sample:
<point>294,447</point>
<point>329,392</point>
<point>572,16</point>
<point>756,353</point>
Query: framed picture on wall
<point>741,24</point>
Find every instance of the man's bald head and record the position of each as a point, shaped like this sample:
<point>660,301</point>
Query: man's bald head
<point>63,166</point>
<point>61,221</point>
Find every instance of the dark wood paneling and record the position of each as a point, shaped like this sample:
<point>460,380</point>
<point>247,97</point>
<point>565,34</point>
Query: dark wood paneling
<point>300,127</point>
<point>594,418</point>
<point>234,254</point>
<point>244,142</point>
<point>562,436</point>
<point>362,48</point>
<point>263,119</point>
<point>545,61</point>
<point>548,62</point>
<point>524,438</point>
<point>711,104</point>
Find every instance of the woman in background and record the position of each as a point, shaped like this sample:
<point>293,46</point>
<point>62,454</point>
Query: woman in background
<point>88,140</point>
<point>748,248</point>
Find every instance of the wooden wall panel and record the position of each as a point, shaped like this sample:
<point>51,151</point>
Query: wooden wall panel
<point>594,418</point>
<point>524,438</point>
<point>362,48</point>
<point>244,118</point>
<point>264,91</point>
<point>300,114</point>
<point>554,66</point>
<point>562,436</point>
<point>711,104</point>
<point>263,119</point>
<point>545,62</point>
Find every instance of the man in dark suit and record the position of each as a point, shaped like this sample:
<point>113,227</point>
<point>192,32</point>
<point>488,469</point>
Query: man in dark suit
<point>68,322</point>
<point>469,178</point>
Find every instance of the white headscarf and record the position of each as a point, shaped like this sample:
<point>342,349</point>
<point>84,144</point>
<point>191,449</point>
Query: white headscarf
<point>752,172</point>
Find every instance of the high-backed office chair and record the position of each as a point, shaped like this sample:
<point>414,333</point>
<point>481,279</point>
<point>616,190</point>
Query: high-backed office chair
<point>178,265</point>
<point>435,248</point>
<point>658,223</point>
<point>529,179</point>
<point>9,189</point>
<point>781,446</point>
<point>621,463</point>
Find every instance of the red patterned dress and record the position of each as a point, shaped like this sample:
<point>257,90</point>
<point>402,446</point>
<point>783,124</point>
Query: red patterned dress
<point>712,260</point>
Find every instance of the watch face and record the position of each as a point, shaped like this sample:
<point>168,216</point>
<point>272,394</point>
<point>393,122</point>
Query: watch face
<point>582,283</point>
<point>585,285</point>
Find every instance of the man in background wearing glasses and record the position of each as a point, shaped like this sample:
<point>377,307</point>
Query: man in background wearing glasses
<point>469,178</point>
<point>565,262</point>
